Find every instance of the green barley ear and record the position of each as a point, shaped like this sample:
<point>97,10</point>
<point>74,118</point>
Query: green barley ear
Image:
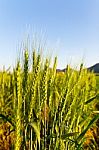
<point>25,101</point>
<point>81,67</point>
<point>26,67</point>
<point>2,91</point>
<point>44,82</point>
<point>35,78</point>
<point>25,81</point>
<point>51,86</point>
<point>32,106</point>
<point>54,67</point>
<point>34,60</point>
<point>44,107</point>
<point>19,109</point>
<point>14,101</point>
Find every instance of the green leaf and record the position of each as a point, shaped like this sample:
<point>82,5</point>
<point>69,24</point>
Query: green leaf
<point>69,134</point>
<point>89,125</point>
<point>63,136</point>
<point>34,125</point>
<point>90,100</point>
<point>96,112</point>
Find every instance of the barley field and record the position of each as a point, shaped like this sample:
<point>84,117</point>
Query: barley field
<point>42,109</point>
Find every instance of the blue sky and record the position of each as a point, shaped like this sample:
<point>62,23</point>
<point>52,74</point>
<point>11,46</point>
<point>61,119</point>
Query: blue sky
<point>70,29</point>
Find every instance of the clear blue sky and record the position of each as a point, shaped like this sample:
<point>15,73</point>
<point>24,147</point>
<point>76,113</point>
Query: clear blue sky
<point>71,28</point>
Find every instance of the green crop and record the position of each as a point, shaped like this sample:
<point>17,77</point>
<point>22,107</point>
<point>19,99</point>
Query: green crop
<point>46,109</point>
